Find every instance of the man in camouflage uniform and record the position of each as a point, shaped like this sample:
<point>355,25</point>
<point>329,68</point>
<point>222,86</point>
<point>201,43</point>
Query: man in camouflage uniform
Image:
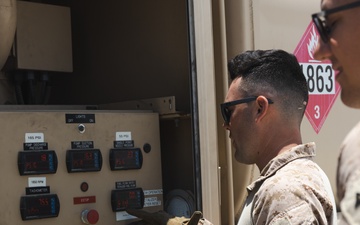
<point>339,28</point>
<point>263,111</point>
<point>292,189</point>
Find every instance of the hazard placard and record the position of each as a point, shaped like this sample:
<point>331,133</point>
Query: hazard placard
<point>323,89</point>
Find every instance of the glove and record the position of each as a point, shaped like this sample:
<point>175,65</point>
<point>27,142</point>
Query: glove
<point>163,218</point>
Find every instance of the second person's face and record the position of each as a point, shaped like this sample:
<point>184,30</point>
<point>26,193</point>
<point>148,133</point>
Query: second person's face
<point>343,49</point>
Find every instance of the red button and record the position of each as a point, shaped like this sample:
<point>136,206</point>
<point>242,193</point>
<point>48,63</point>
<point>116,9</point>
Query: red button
<point>90,216</point>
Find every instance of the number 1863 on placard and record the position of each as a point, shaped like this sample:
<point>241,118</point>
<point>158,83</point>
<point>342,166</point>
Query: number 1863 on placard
<point>320,78</point>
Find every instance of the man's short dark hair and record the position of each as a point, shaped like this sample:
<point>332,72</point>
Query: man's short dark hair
<point>274,72</point>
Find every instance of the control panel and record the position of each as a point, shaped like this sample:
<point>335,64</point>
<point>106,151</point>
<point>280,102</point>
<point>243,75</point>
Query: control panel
<point>78,166</point>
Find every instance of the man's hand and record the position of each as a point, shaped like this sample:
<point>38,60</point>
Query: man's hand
<point>163,218</point>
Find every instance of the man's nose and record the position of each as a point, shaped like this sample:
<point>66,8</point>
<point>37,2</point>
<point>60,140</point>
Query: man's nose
<point>322,50</point>
<point>226,126</point>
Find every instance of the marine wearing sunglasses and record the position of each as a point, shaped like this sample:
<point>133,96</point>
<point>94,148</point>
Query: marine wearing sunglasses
<point>319,19</point>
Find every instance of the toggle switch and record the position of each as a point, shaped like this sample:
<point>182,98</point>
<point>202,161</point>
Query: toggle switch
<point>89,216</point>
<point>81,128</point>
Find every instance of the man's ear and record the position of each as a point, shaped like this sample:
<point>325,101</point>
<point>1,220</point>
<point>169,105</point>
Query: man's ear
<point>262,105</point>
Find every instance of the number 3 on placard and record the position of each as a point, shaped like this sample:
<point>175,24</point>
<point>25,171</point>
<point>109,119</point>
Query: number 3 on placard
<point>317,112</point>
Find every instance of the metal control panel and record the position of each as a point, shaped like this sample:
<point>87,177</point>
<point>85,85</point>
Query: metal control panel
<point>78,166</point>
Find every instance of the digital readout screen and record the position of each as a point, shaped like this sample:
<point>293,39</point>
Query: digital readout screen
<point>39,206</point>
<point>122,199</point>
<point>83,160</point>
<point>125,159</point>
<point>37,162</point>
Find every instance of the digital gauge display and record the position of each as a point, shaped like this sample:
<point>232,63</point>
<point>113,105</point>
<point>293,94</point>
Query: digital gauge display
<point>87,160</point>
<point>125,159</point>
<point>37,162</point>
<point>122,199</point>
<point>39,206</point>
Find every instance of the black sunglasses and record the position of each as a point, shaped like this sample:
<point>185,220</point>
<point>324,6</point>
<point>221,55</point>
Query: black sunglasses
<point>319,19</point>
<point>226,113</point>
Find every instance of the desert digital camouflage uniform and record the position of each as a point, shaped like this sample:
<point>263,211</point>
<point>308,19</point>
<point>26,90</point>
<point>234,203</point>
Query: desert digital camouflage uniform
<point>348,178</point>
<point>291,189</point>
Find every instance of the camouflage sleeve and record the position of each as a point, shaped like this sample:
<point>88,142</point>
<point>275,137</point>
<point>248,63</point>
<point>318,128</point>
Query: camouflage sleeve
<point>350,204</point>
<point>348,178</point>
<point>299,214</point>
<point>293,198</point>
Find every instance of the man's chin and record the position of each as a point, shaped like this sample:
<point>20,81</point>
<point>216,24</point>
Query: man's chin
<point>350,100</point>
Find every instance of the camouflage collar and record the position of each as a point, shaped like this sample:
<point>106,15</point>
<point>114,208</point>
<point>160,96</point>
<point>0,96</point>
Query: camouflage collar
<point>297,152</point>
